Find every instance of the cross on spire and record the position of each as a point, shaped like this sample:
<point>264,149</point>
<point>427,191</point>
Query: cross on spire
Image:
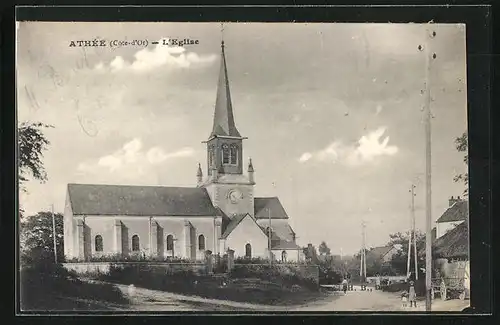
<point>222,34</point>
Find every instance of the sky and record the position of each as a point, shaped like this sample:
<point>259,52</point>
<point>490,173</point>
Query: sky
<point>332,112</point>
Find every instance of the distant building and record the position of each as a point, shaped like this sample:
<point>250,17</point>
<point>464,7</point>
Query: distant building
<point>218,214</point>
<point>456,214</point>
<point>382,253</point>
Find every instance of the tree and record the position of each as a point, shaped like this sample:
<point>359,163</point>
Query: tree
<point>399,260</point>
<point>32,144</point>
<point>323,249</point>
<point>461,145</point>
<point>37,241</point>
<point>310,254</point>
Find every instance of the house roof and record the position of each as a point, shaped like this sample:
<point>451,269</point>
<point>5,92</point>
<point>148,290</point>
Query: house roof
<point>264,204</point>
<point>457,212</point>
<point>274,234</point>
<point>453,244</point>
<point>284,245</point>
<point>91,199</point>
<point>232,223</point>
<point>283,230</point>
<point>380,251</point>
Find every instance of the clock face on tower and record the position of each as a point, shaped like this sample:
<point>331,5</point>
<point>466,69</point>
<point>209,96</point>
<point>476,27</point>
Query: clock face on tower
<point>234,195</point>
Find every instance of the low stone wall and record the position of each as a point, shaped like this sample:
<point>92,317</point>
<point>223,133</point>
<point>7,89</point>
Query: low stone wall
<point>392,278</point>
<point>104,267</point>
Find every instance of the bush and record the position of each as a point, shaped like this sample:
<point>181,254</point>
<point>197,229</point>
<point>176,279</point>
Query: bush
<point>152,277</point>
<point>134,258</point>
<point>44,281</point>
<point>276,273</point>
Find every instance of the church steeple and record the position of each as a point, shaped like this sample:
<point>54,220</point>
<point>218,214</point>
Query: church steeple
<point>225,144</point>
<point>223,117</point>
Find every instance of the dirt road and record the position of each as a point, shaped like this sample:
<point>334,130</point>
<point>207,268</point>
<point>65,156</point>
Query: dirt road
<point>376,301</point>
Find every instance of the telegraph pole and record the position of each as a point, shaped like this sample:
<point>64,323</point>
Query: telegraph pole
<point>429,57</point>
<point>362,269</point>
<point>269,239</point>
<point>413,229</point>
<point>413,239</point>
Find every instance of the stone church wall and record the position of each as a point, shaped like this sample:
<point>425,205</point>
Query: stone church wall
<point>161,227</point>
<point>248,232</point>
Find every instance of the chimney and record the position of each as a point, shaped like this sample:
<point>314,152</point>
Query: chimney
<point>452,201</point>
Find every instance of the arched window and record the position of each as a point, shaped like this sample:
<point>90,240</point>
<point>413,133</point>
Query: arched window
<point>225,154</point>
<point>283,256</point>
<point>98,243</point>
<point>135,243</point>
<point>248,251</point>
<point>170,242</point>
<point>201,242</point>
<point>233,153</point>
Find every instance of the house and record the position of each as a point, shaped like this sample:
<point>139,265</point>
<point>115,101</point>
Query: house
<point>382,253</point>
<point>456,214</point>
<point>220,213</point>
<point>450,254</point>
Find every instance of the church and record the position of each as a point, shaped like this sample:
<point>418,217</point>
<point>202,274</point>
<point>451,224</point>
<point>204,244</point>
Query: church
<point>219,214</point>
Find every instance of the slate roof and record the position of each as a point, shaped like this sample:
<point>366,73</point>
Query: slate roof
<point>91,199</point>
<point>262,204</point>
<point>232,224</point>
<point>453,244</point>
<point>285,245</point>
<point>457,212</point>
<point>223,117</point>
<point>284,231</point>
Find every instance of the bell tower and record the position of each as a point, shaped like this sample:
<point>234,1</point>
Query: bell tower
<point>225,144</point>
<point>228,187</point>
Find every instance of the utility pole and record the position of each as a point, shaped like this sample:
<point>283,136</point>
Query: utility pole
<point>412,240</point>
<point>269,239</point>
<point>429,57</point>
<point>362,269</point>
<point>413,229</point>
<point>54,233</point>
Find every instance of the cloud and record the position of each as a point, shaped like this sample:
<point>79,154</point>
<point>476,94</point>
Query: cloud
<point>156,155</point>
<point>161,55</point>
<point>305,157</point>
<point>378,109</point>
<point>366,150</point>
<point>131,157</point>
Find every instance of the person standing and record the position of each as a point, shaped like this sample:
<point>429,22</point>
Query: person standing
<point>344,285</point>
<point>412,297</point>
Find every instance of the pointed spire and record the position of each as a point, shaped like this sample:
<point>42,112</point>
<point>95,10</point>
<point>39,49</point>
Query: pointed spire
<point>199,173</point>
<point>250,166</point>
<point>223,117</point>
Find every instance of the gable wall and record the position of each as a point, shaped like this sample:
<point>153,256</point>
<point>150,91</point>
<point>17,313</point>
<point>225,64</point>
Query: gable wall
<point>443,227</point>
<point>247,232</point>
